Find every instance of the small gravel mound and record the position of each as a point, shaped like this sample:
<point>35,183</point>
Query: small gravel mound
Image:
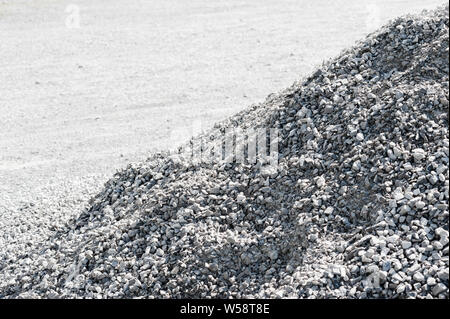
<point>357,206</point>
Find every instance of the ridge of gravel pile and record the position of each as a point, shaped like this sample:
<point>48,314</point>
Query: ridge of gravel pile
<point>357,208</point>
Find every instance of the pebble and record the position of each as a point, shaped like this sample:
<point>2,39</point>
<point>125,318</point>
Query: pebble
<point>273,255</point>
<point>406,244</point>
<point>420,205</point>
<point>439,288</point>
<point>443,274</point>
<point>418,277</point>
<point>431,281</point>
<point>418,154</point>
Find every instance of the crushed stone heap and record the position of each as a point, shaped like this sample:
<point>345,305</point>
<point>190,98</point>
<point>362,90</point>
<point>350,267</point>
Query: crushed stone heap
<point>356,208</point>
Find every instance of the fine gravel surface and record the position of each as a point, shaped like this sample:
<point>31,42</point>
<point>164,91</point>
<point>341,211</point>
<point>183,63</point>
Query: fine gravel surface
<point>356,207</point>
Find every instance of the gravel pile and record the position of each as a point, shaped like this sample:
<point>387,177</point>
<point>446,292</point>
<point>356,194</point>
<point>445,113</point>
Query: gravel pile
<point>356,208</point>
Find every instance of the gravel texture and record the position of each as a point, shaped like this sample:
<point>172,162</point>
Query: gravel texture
<point>357,207</point>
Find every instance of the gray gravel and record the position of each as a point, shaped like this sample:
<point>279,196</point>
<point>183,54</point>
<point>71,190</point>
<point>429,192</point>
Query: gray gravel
<point>357,208</point>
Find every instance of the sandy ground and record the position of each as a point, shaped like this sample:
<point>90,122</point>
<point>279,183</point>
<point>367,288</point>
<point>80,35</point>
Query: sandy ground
<point>78,103</point>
